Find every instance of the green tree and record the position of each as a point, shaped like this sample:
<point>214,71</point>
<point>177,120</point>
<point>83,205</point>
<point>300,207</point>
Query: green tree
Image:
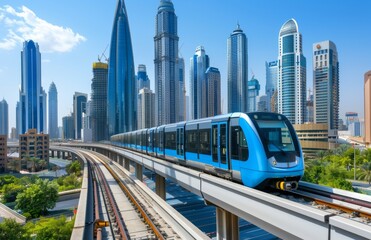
<point>7,179</point>
<point>10,229</point>
<point>365,173</point>
<point>10,192</point>
<point>37,198</point>
<point>51,229</point>
<point>74,167</point>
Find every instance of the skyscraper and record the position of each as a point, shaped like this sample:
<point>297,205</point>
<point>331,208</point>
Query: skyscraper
<point>68,127</point>
<point>143,80</point>
<point>32,97</point>
<point>121,92</point>
<point>252,93</point>
<point>199,63</point>
<point>99,101</point>
<point>166,55</point>
<point>291,82</point>
<point>146,108</point>
<point>212,92</point>
<point>79,107</point>
<point>271,84</point>
<point>4,118</point>
<point>180,91</point>
<point>237,71</point>
<point>368,108</point>
<point>326,85</point>
<point>53,111</point>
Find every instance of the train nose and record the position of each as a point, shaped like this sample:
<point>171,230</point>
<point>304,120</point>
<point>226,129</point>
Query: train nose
<point>287,185</point>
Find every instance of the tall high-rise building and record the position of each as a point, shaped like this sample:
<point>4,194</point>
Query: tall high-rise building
<point>166,56</point>
<point>4,118</point>
<point>199,63</point>
<point>262,103</point>
<point>121,88</point>
<point>146,108</point>
<point>237,71</point>
<point>79,107</point>
<point>68,127</point>
<point>326,85</point>
<point>99,102</point>
<point>252,93</point>
<point>367,105</point>
<point>143,80</point>
<point>271,84</point>
<point>180,91</point>
<point>291,81</point>
<point>53,111</point>
<point>212,93</point>
<point>32,97</point>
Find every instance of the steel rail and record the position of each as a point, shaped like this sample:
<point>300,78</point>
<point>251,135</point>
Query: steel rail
<point>128,193</point>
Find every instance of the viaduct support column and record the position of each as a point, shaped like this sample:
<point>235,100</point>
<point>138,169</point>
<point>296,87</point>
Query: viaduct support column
<point>52,152</point>
<point>139,171</point>
<point>63,155</point>
<point>226,225</point>
<point>160,186</point>
<point>127,164</point>
<point>58,154</point>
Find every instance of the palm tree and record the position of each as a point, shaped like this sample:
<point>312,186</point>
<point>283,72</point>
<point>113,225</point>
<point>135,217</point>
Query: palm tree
<point>14,164</point>
<point>42,164</point>
<point>365,173</point>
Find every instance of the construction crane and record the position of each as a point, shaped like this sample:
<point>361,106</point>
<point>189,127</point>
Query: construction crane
<point>103,55</point>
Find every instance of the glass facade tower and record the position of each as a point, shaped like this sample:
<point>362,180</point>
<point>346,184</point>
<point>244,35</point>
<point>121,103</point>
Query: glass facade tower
<point>99,101</point>
<point>199,63</point>
<point>291,81</point>
<point>166,56</point>
<point>79,107</point>
<point>32,97</point>
<point>4,118</point>
<point>53,111</point>
<point>326,85</point>
<point>212,91</point>
<point>271,85</point>
<point>143,80</point>
<point>237,71</point>
<point>252,94</point>
<point>121,88</point>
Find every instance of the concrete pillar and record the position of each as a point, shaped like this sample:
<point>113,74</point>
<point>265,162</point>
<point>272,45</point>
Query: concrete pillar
<point>139,171</point>
<point>63,155</point>
<point>127,164</point>
<point>160,186</point>
<point>226,225</point>
<point>58,154</point>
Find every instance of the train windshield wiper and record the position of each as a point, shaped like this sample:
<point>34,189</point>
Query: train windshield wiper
<point>278,147</point>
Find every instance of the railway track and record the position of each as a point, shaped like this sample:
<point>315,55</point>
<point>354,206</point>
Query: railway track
<point>131,215</point>
<point>337,202</point>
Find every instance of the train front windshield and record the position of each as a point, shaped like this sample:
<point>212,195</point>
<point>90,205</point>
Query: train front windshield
<point>277,136</point>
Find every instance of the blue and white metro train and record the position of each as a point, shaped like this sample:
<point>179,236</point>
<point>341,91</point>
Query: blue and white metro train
<point>256,149</point>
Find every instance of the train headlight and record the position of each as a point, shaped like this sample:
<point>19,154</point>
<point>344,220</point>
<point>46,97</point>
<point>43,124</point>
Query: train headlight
<point>272,161</point>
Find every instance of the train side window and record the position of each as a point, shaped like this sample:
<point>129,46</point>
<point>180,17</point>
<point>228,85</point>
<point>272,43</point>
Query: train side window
<point>192,141</point>
<point>170,142</point>
<point>205,141</point>
<point>239,148</point>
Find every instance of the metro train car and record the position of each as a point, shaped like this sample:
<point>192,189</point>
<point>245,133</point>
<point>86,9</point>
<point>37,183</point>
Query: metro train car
<point>258,149</point>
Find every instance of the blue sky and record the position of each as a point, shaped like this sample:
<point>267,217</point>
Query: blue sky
<point>71,35</point>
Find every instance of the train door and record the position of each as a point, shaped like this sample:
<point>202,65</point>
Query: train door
<point>219,144</point>
<point>180,143</point>
<point>161,142</point>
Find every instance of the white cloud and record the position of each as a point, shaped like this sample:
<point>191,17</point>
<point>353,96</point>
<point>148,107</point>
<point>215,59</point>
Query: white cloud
<point>45,60</point>
<point>25,25</point>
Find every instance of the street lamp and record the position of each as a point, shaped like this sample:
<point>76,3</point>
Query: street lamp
<point>354,147</point>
